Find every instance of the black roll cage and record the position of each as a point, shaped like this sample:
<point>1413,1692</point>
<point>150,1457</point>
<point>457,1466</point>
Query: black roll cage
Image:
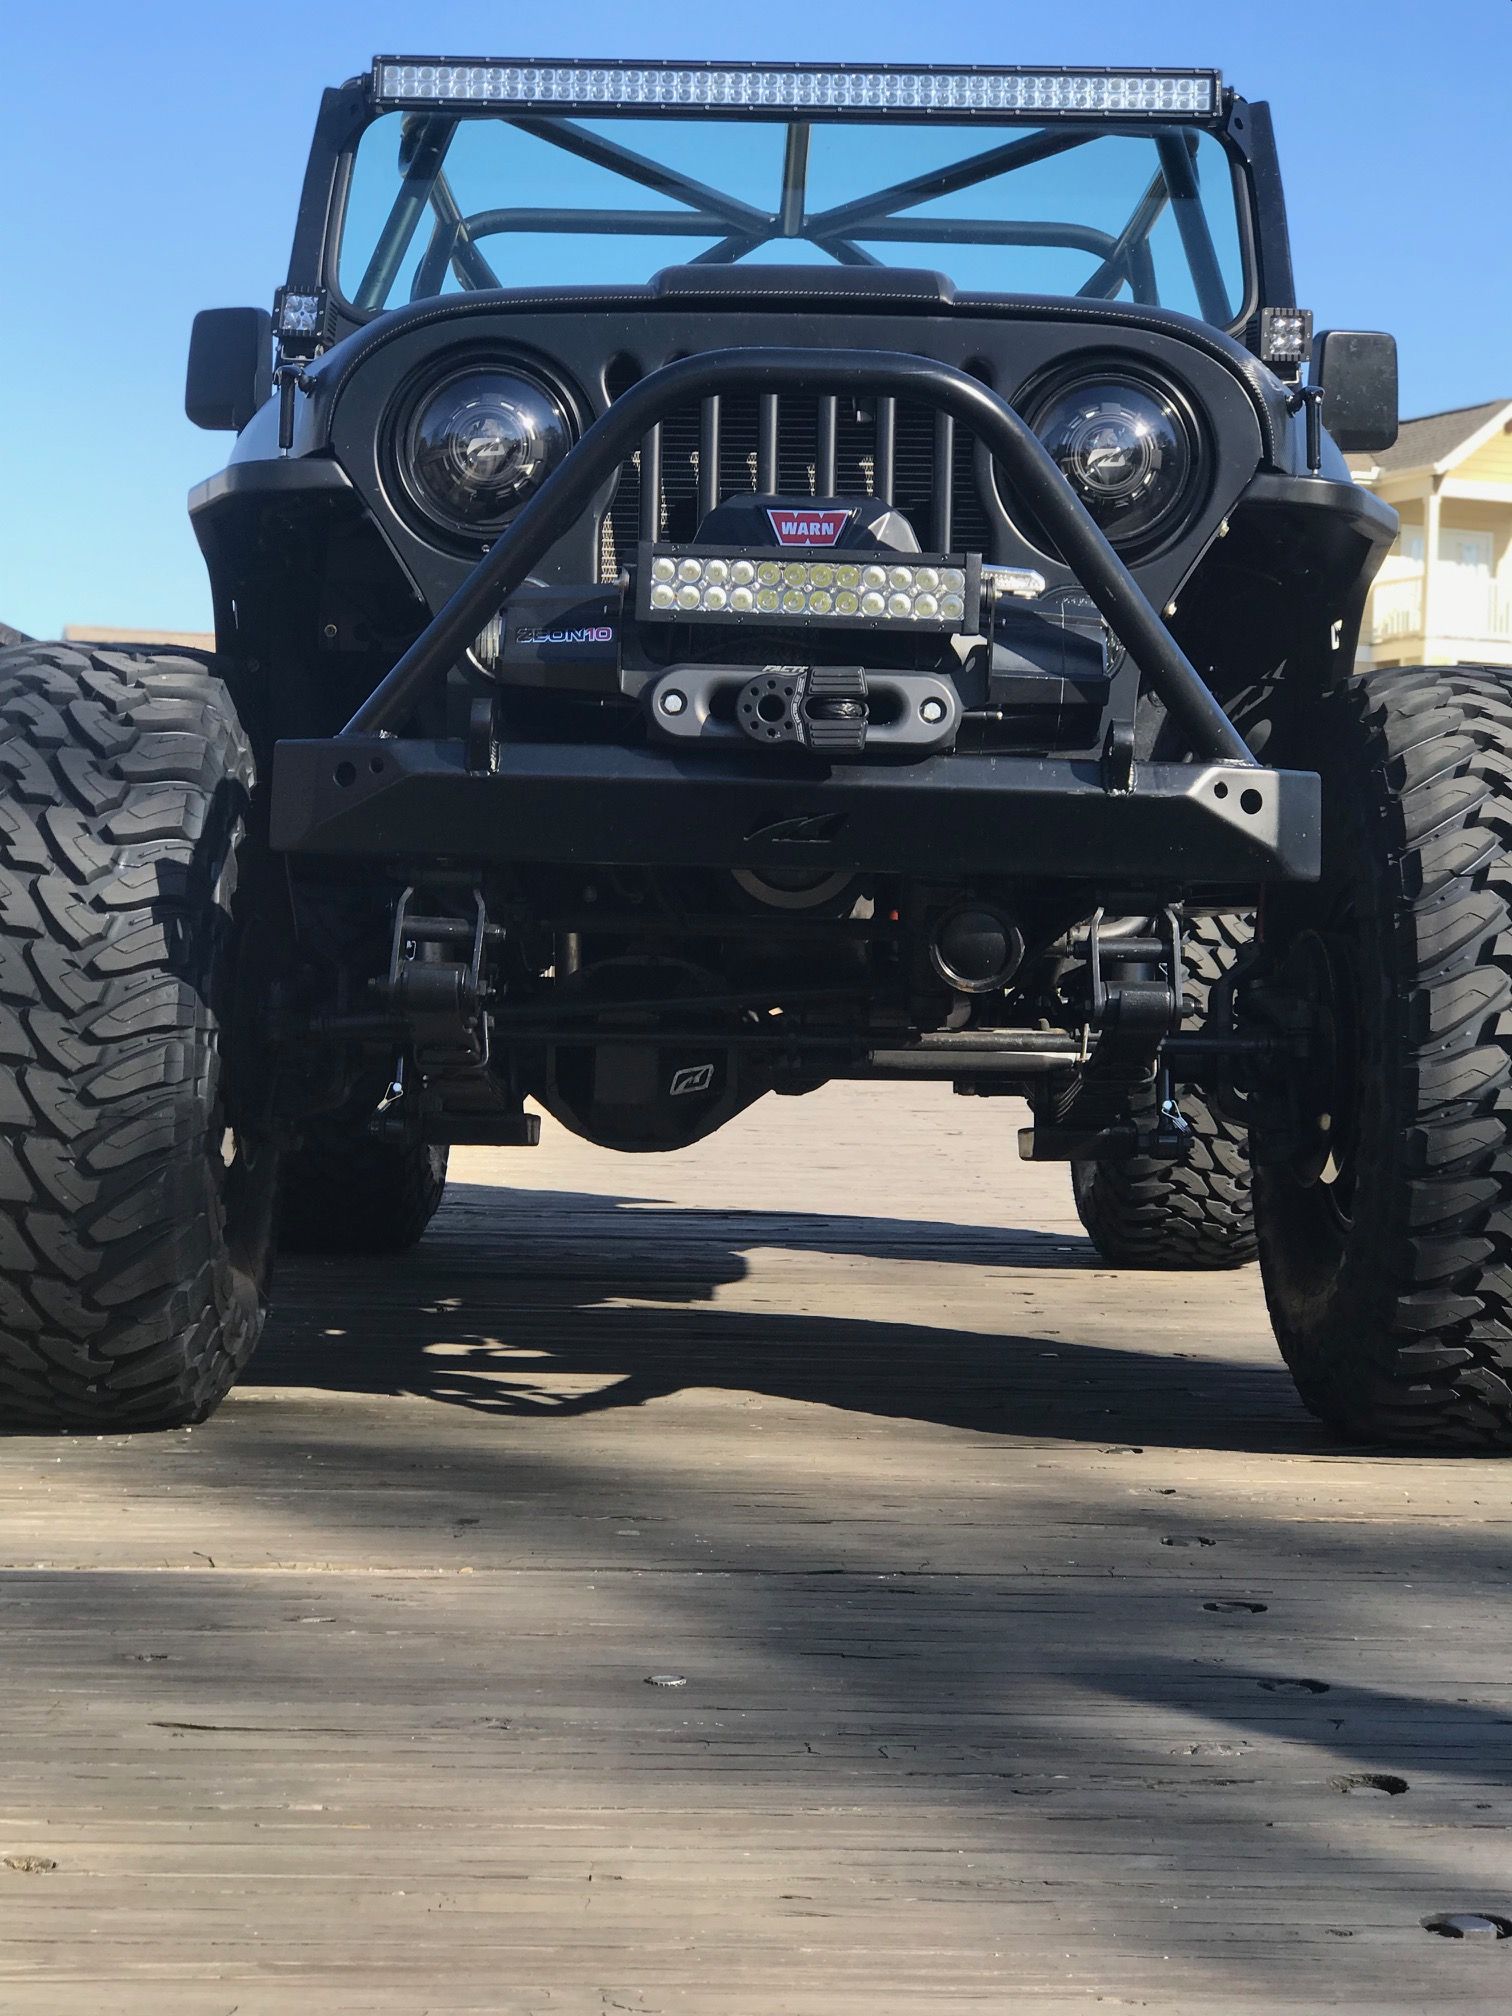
<point>739,228</point>
<point>1244,129</point>
<point>1123,256</point>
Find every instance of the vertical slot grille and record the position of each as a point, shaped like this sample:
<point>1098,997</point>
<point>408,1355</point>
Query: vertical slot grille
<point>796,446</point>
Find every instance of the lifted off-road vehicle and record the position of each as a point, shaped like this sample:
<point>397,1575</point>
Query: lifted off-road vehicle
<point>735,577</point>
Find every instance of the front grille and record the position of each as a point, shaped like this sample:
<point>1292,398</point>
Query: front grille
<point>797,446</point>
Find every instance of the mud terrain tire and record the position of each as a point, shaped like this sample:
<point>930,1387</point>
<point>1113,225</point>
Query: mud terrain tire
<point>134,1223</point>
<point>1388,1262</point>
<point>1194,1214</point>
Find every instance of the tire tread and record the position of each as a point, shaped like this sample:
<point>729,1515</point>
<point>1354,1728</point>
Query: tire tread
<point>121,773</point>
<point>1194,1215</point>
<point>1425,1356</point>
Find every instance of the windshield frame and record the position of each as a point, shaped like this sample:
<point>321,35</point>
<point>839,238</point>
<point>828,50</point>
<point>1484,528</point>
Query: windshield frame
<point>1243,129</point>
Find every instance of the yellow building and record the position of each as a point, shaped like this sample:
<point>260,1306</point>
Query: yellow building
<point>1444,593</point>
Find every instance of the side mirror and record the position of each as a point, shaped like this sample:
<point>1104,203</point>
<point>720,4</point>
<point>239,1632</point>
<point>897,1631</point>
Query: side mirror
<point>1357,369</point>
<point>230,367</point>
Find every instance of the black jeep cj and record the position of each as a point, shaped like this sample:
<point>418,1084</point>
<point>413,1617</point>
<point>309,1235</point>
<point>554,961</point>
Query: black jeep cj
<point>734,577</point>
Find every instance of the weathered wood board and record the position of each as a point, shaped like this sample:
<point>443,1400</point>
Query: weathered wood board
<point>342,1703</point>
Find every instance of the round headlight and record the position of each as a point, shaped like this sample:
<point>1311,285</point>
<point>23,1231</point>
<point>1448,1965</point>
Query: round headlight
<point>1128,451</point>
<point>478,445</point>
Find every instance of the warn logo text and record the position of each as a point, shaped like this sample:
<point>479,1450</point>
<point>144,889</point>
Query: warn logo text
<point>808,528</point>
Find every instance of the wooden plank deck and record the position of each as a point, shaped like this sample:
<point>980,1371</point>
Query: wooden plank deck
<point>344,1704</point>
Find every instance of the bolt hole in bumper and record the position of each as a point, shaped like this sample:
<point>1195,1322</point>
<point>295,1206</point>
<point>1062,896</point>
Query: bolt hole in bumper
<point>1194,825</point>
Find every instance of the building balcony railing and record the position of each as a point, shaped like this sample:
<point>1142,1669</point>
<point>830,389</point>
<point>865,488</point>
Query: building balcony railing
<point>1396,610</point>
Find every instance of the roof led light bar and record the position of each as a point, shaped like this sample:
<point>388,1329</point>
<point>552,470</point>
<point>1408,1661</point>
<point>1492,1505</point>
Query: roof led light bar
<point>782,88</point>
<point>933,592</point>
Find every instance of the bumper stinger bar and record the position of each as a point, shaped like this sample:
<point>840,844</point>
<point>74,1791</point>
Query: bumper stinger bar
<point>1033,477</point>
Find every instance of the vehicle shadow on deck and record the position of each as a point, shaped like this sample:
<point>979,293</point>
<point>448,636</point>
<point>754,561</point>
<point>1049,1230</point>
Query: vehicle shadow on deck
<point>560,1304</point>
<point>924,1753</point>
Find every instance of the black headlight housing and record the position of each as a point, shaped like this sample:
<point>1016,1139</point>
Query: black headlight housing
<point>1130,447</point>
<point>471,445</point>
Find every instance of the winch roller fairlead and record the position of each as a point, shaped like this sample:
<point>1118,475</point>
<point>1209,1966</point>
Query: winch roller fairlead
<point>832,710</point>
<point>910,638</point>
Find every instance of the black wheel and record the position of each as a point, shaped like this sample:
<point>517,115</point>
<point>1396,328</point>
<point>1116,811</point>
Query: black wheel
<point>1196,1213</point>
<point>135,1212</point>
<point>1385,1228</point>
<point>345,1192</point>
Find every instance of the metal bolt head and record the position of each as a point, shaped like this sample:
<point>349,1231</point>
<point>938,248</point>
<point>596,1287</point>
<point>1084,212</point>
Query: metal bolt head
<point>673,702</point>
<point>932,711</point>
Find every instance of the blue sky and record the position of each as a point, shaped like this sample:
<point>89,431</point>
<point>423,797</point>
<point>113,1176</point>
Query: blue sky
<point>150,158</point>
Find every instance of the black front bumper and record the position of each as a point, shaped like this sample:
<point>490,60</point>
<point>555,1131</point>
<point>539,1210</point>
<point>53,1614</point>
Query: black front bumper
<point>1193,825</point>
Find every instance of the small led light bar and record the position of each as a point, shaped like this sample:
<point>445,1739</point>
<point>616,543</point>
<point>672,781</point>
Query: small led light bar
<point>927,591</point>
<point>782,88</point>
